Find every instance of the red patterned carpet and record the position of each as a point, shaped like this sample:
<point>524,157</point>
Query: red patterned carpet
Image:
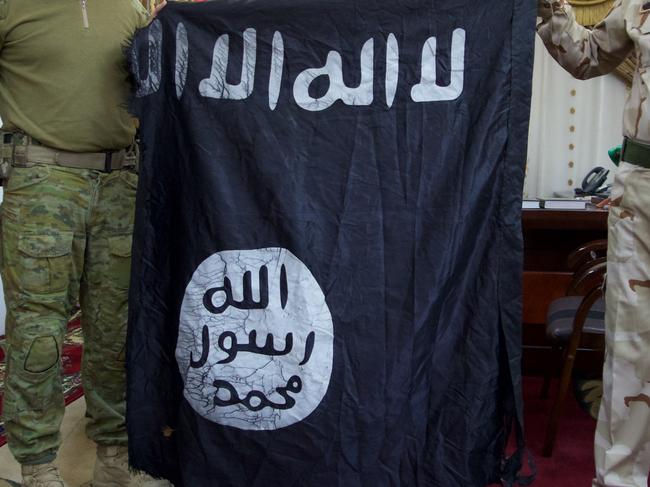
<point>72,349</point>
<point>572,464</point>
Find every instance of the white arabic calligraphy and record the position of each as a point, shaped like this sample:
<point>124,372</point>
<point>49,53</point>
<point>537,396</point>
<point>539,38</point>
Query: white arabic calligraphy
<point>277,66</point>
<point>216,86</point>
<point>255,343</point>
<point>362,95</point>
<point>151,83</point>
<point>428,90</point>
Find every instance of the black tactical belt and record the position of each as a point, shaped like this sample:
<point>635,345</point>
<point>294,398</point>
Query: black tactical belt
<point>635,153</point>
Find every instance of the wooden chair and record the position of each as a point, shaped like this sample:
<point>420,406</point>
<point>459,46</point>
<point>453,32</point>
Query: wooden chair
<point>580,312</point>
<point>559,317</point>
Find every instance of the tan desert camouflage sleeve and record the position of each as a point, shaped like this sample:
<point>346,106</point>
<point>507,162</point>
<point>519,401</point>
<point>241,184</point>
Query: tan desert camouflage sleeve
<point>143,15</point>
<point>583,52</point>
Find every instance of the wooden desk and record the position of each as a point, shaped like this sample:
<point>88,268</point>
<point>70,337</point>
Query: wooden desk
<point>549,237</point>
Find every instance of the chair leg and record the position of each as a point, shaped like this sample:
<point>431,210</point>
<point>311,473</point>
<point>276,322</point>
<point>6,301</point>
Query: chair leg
<point>554,421</point>
<point>569,360</point>
<point>550,372</point>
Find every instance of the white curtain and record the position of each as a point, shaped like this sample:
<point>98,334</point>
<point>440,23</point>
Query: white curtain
<point>573,124</point>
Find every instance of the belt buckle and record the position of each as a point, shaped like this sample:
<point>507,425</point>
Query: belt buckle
<point>108,161</point>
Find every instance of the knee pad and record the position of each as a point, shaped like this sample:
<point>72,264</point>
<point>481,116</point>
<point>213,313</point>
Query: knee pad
<point>43,355</point>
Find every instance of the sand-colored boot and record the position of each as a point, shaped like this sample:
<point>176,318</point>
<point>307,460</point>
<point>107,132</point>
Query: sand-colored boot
<point>111,467</point>
<point>112,470</point>
<point>45,475</point>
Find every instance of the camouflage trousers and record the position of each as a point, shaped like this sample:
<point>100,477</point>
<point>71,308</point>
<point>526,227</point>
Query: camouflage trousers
<point>66,239</point>
<point>622,444</point>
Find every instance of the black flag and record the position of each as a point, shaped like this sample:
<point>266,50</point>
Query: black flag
<point>327,259</point>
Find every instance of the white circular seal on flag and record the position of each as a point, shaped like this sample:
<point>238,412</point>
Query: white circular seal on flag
<point>255,340</point>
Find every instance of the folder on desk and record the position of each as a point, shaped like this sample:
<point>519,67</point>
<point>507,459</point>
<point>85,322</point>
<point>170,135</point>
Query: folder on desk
<point>563,204</point>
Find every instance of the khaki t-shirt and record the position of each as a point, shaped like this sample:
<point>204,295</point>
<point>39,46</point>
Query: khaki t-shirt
<point>63,75</point>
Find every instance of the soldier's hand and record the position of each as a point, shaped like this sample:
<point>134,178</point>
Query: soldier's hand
<point>605,203</point>
<point>158,8</point>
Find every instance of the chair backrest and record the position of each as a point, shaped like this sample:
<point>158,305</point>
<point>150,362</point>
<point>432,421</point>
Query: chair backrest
<point>589,252</point>
<point>589,277</point>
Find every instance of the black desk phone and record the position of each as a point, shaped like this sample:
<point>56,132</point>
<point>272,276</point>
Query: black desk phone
<point>594,183</point>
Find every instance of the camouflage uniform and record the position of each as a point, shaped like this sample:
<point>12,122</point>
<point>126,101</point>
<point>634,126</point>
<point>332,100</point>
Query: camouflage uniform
<point>66,231</point>
<point>622,444</point>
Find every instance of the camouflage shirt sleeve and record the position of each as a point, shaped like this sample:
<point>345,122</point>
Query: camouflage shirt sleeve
<point>582,52</point>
